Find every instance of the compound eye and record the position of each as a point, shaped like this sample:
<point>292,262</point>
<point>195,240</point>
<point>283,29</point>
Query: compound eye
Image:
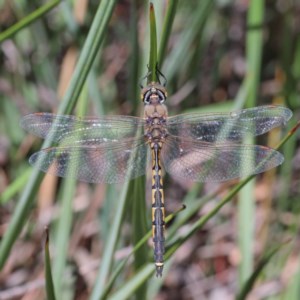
<point>161,96</point>
<point>146,98</point>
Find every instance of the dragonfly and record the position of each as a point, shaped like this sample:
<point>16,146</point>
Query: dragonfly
<point>196,147</point>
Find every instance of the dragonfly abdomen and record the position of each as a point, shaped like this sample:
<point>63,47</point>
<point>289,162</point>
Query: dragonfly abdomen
<point>158,210</point>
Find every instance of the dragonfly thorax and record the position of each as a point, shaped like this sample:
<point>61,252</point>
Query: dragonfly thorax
<point>155,127</point>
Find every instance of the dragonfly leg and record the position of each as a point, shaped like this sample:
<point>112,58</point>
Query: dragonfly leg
<point>160,74</point>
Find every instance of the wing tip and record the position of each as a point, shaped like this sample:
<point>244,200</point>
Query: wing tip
<point>285,112</point>
<point>22,122</point>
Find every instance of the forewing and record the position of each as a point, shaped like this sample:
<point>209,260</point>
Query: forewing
<point>109,162</point>
<point>203,162</point>
<point>71,129</point>
<point>228,126</point>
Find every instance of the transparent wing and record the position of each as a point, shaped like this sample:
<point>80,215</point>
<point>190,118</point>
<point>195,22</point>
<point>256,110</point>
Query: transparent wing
<point>228,126</point>
<point>83,130</point>
<point>108,162</point>
<point>203,162</point>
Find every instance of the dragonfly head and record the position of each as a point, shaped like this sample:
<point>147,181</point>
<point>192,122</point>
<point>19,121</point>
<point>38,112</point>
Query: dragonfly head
<point>154,93</point>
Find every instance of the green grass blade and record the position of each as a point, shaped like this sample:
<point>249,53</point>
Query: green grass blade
<point>153,45</point>
<point>246,213</point>
<point>254,46</point>
<point>111,244</point>
<point>63,231</point>
<point>28,20</point>
<point>137,200</point>
<point>48,273</point>
<point>246,205</point>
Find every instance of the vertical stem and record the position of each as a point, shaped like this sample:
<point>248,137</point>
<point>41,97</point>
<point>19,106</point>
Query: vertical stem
<point>246,205</point>
<point>48,273</point>
<point>153,44</point>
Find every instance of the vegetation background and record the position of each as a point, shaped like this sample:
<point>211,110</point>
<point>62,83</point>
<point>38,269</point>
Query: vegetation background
<point>86,57</point>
